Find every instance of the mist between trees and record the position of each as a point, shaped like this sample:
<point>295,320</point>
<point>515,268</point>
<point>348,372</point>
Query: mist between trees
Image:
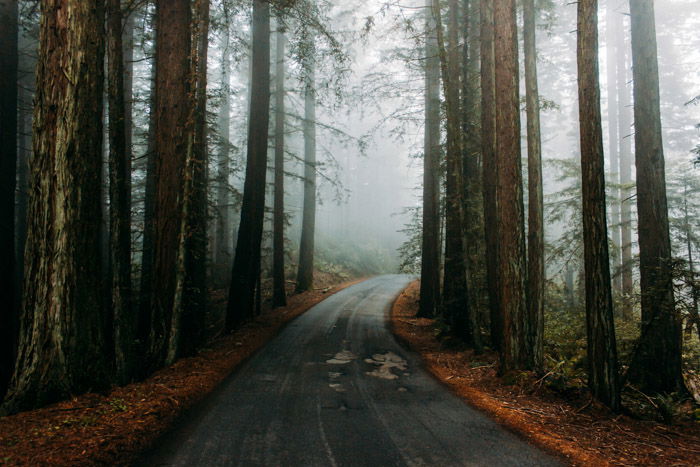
<point>172,167</point>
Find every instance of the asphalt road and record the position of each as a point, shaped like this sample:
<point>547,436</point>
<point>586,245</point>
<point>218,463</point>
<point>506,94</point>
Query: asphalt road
<point>335,389</point>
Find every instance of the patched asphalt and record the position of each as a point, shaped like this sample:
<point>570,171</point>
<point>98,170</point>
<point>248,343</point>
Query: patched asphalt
<point>336,389</point>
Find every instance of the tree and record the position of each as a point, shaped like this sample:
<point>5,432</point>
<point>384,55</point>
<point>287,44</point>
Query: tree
<point>430,251</point>
<point>222,238</point>
<point>305,272</point>
<point>603,379</point>
<point>246,265</point>
<point>626,195</point>
<point>474,247</point>
<point>61,345</point>
<point>489,168</point>
<point>279,297</point>
<point>614,138</point>
<point>8,162</point>
<point>172,136</point>
<point>123,320</point>
<point>144,319</point>
<point>535,243</point>
<point>190,300</point>
<point>657,362</point>
<point>515,353</point>
<point>457,309</point>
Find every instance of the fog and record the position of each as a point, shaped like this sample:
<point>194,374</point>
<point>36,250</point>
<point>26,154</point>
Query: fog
<point>385,106</point>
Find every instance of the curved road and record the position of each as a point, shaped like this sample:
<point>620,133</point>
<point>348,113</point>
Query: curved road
<point>335,389</point>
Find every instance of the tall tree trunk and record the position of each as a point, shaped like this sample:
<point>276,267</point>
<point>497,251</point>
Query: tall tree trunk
<point>603,377</point>
<point>305,273</point>
<point>61,350</point>
<point>120,198</point>
<point>535,237</point>
<point>430,252</point>
<point>8,170</point>
<point>473,222</point>
<point>625,130</point>
<point>657,363</point>
<point>194,306</point>
<point>455,291</point>
<point>190,299</point>
<point>144,317</point>
<point>279,296</point>
<point>489,168</point>
<point>222,242</point>
<point>515,353</point>
<point>172,140</point>
<point>614,140</point>
<point>246,265</point>
<point>27,69</point>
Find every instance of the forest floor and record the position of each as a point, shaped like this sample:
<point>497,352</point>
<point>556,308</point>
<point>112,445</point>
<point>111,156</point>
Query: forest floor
<point>114,427</point>
<point>566,423</point>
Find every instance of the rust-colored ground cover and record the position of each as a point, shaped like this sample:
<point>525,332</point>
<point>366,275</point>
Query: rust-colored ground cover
<point>580,431</point>
<point>114,427</point>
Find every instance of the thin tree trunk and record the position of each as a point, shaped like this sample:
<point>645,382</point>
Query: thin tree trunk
<point>145,318</point>
<point>61,348</point>
<point>279,296</point>
<point>614,141</point>
<point>305,273</point>
<point>535,237</point>
<point>657,362</point>
<point>489,168</point>
<point>625,124</point>
<point>473,222</point>
<point>222,254</point>
<point>8,170</point>
<point>246,266</point>
<point>430,252</point>
<point>515,353</point>
<point>603,377</point>
<point>455,291</point>
<point>172,137</point>
<point>120,199</point>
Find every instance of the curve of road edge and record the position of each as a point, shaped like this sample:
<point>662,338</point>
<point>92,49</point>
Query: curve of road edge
<point>335,388</point>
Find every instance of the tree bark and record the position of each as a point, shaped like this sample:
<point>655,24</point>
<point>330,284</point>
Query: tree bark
<point>455,291</point>
<point>8,169</point>
<point>144,318</point>
<point>61,348</point>
<point>305,273</point>
<point>657,362</point>
<point>246,265</point>
<point>172,136</point>
<point>120,198</point>
<point>624,125</point>
<point>535,237</point>
<point>279,296</point>
<point>603,377</point>
<point>515,354</point>
<point>190,304</point>
<point>471,155</point>
<point>222,242</point>
<point>614,142</point>
<point>430,252</point>
<point>489,167</point>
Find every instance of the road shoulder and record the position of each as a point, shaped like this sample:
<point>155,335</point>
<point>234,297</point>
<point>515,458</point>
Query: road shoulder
<point>582,433</point>
<point>115,427</point>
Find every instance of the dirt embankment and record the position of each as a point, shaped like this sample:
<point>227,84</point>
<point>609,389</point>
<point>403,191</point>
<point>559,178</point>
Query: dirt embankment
<point>578,429</point>
<point>114,427</point>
